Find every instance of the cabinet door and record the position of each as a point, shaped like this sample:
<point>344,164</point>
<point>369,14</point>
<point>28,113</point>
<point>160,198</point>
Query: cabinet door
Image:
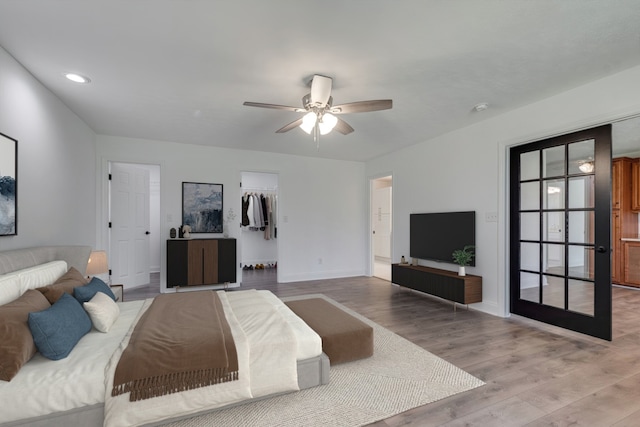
<point>203,262</point>
<point>616,254</point>
<point>616,183</point>
<point>195,251</point>
<point>177,263</point>
<point>210,262</point>
<point>400,275</point>
<point>227,260</point>
<point>632,263</point>
<point>635,186</point>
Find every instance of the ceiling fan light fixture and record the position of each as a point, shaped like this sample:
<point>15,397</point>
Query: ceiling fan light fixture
<point>327,123</point>
<point>586,166</point>
<point>308,122</point>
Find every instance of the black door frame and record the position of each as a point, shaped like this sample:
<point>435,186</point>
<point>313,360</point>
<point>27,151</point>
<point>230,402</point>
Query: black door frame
<point>600,324</point>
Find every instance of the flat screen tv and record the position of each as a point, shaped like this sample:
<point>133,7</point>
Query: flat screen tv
<point>434,236</point>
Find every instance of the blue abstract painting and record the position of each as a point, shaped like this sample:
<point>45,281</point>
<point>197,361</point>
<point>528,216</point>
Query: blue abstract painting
<point>202,207</point>
<point>8,185</point>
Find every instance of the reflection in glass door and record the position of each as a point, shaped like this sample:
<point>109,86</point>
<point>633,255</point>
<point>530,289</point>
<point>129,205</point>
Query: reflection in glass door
<point>560,231</point>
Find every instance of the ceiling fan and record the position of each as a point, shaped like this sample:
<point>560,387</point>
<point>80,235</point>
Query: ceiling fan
<point>320,112</point>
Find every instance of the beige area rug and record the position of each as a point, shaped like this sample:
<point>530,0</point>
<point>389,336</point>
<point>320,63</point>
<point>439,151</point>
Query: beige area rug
<point>398,377</point>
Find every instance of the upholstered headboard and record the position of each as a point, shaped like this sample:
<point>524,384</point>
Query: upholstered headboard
<point>17,259</point>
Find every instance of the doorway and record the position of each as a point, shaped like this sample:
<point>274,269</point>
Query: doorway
<point>134,223</point>
<point>259,228</point>
<point>560,216</point>
<point>381,226</point>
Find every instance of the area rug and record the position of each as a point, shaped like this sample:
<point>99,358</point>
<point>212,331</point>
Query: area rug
<point>398,377</point>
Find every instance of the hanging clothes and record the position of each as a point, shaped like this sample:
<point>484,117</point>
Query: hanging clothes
<point>267,228</point>
<point>250,211</point>
<point>263,212</point>
<point>259,213</point>
<point>245,208</point>
<point>274,215</point>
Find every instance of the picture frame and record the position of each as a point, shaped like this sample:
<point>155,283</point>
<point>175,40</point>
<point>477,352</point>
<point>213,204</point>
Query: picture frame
<point>8,186</point>
<point>202,207</point>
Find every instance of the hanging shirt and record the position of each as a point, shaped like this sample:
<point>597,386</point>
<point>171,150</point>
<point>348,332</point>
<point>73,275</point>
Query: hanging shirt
<point>250,214</point>
<point>245,210</point>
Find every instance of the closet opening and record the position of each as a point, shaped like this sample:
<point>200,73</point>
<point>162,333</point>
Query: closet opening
<point>259,228</point>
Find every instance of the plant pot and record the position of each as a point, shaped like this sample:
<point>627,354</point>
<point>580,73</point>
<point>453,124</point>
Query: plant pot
<point>461,271</point>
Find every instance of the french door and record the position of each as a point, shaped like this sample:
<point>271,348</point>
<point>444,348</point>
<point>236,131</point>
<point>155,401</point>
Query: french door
<point>560,231</point>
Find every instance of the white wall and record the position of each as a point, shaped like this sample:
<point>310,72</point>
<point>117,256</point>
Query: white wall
<point>322,215</point>
<point>467,169</point>
<point>56,152</point>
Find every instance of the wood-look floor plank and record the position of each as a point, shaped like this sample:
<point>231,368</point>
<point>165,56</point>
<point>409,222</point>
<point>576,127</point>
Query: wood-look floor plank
<point>535,374</point>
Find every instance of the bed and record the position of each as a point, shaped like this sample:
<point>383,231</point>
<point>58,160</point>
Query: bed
<point>77,390</point>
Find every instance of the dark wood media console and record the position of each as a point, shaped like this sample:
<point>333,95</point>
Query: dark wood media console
<point>441,283</point>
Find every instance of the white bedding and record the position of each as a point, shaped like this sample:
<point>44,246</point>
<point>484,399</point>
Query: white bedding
<point>257,323</point>
<point>46,386</point>
<point>258,320</point>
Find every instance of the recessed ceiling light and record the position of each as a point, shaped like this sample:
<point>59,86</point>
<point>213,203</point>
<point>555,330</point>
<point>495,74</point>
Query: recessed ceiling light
<point>481,107</point>
<point>77,78</point>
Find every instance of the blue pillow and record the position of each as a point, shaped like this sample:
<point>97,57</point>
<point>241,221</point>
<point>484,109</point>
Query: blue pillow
<point>58,329</point>
<point>86,292</point>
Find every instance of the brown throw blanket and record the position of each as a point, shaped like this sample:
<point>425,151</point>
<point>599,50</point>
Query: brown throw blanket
<point>182,342</point>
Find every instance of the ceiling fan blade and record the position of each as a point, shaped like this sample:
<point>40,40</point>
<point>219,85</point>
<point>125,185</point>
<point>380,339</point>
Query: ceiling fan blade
<point>343,127</point>
<point>274,106</point>
<point>320,90</point>
<point>286,128</point>
<point>362,106</point>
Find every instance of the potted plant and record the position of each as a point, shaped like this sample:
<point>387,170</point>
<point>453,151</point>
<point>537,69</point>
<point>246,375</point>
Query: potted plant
<point>463,257</point>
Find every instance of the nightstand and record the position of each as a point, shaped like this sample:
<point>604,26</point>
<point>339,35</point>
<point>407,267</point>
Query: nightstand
<point>118,291</point>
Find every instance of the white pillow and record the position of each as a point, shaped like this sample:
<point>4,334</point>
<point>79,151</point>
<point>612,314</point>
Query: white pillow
<point>102,310</point>
<point>10,289</point>
<point>41,275</point>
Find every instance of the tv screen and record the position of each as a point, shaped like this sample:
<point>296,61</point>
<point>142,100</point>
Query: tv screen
<point>434,236</point>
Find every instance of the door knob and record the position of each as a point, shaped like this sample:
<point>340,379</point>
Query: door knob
<point>147,232</point>
<point>602,249</point>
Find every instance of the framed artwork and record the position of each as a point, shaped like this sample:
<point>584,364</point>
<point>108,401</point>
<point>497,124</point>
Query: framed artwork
<point>202,207</point>
<point>8,186</point>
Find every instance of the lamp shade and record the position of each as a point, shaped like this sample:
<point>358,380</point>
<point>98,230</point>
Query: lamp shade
<point>327,123</point>
<point>308,122</point>
<point>97,263</point>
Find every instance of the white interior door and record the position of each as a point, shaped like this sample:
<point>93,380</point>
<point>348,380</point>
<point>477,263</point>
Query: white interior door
<point>130,225</point>
<point>382,222</point>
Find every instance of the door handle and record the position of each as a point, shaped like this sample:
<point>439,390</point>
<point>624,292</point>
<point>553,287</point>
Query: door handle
<point>602,249</point>
<point>147,232</point>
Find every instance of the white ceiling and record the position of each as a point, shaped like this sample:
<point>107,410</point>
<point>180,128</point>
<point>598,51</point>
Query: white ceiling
<point>179,70</point>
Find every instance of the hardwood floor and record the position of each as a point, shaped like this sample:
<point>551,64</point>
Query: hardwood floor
<point>536,374</point>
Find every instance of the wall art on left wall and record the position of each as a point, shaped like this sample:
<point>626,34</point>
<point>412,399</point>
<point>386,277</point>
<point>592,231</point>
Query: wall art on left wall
<point>8,186</point>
